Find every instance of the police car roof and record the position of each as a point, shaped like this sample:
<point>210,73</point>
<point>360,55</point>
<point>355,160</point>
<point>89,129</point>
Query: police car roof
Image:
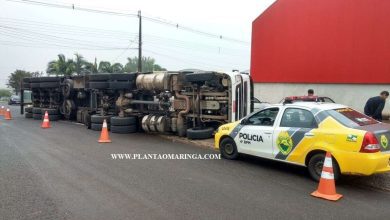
<point>312,105</point>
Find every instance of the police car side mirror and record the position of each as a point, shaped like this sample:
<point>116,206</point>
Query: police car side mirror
<point>244,121</point>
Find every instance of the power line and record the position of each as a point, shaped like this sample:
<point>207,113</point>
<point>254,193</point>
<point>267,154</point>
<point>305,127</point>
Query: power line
<point>151,19</point>
<point>31,35</point>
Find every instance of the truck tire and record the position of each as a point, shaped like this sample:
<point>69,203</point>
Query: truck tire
<point>37,110</point>
<point>34,85</point>
<point>200,77</point>
<point>87,120</point>
<point>124,129</point>
<point>79,116</point>
<point>98,85</point>
<point>37,116</point>
<point>200,133</point>
<point>53,117</point>
<point>123,76</point>
<point>118,121</point>
<point>67,88</point>
<point>228,149</point>
<point>28,109</point>
<point>122,85</point>
<point>98,127</point>
<point>28,115</point>
<point>49,79</point>
<point>98,119</point>
<point>99,77</point>
<point>49,85</point>
<point>50,111</point>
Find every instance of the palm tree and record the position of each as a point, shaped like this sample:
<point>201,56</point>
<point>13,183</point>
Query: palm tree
<point>80,64</point>
<point>148,65</point>
<point>62,66</point>
<point>106,67</point>
<point>91,67</point>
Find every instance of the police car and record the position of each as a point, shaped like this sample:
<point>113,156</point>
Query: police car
<point>301,133</point>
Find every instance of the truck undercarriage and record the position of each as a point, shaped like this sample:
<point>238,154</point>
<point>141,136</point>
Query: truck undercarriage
<point>190,104</point>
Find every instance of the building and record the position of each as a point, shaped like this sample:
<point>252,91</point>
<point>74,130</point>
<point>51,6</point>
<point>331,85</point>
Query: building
<point>339,48</point>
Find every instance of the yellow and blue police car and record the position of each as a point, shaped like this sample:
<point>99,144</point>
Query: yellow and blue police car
<point>301,133</point>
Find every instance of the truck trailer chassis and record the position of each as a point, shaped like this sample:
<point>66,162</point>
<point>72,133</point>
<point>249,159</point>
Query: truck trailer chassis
<point>191,104</point>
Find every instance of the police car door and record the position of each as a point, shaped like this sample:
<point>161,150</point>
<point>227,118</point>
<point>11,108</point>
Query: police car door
<point>294,131</point>
<point>256,135</point>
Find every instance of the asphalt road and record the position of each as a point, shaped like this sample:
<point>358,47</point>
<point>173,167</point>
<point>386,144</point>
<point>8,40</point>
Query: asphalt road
<point>63,173</point>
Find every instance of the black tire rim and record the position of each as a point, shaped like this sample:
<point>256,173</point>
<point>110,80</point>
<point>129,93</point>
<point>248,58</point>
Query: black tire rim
<point>318,167</point>
<point>229,149</point>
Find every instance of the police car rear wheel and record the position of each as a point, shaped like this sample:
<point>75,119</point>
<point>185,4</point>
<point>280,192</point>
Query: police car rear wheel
<point>316,163</point>
<point>228,149</point>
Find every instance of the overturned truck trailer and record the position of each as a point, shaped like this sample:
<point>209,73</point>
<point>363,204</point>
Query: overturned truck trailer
<point>191,104</point>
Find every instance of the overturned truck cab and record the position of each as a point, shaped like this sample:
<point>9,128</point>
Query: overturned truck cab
<point>185,103</point>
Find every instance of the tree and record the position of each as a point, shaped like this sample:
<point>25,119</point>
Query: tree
<point>61,66</point>
<point>148,65</point>
<point>15,78</point>
<point>91,67</point>
<point>106,67</point>
<point>5,93</point>
<point>79,64</point>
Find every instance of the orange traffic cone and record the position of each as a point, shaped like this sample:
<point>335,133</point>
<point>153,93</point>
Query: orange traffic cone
<point>327,188</point>
<point>2,110</point>
<point>7,115</point>
<point>46,121</point>
<point>104,137</point>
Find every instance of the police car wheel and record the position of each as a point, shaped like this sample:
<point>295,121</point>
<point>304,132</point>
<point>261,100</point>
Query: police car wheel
<point>228,149</point>
<point>316,163</point>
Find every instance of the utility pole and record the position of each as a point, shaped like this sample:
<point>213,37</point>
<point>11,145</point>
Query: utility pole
<point>140,43</point>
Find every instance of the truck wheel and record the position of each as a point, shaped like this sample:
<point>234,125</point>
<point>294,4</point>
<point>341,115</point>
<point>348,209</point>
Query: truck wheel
<point>28,115</point>
<point>118,121</point>
<point>67,88</point>
<point>87,120</point>
<point>316,163</point>
<point>98,127</point>
<point>123,76</point>
<point>37,110</point>
<point>53,117</point>
<point>50,111</point>
<point>28,109</point>
<point>98,85</point>
<point>125,129</point>
<point>98,119</point>
<point>49,85</point>
<point>122,85</point>
<point>99,77</point>
<point>228,149</point>
<point>37,116</point>
<point>200,133</point>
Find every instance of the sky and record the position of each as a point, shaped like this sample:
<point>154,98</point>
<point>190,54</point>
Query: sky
<point>31,35</point>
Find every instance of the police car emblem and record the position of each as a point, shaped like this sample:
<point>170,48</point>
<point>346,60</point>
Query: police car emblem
<point>284,142</point>
<point>384,141</point>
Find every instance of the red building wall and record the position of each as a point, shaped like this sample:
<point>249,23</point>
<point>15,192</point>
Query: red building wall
<point>322,41</point>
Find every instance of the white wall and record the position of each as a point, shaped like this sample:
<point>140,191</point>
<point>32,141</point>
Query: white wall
<point>353,95</point>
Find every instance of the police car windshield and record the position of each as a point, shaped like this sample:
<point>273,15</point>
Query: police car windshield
<point>351,118</point>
